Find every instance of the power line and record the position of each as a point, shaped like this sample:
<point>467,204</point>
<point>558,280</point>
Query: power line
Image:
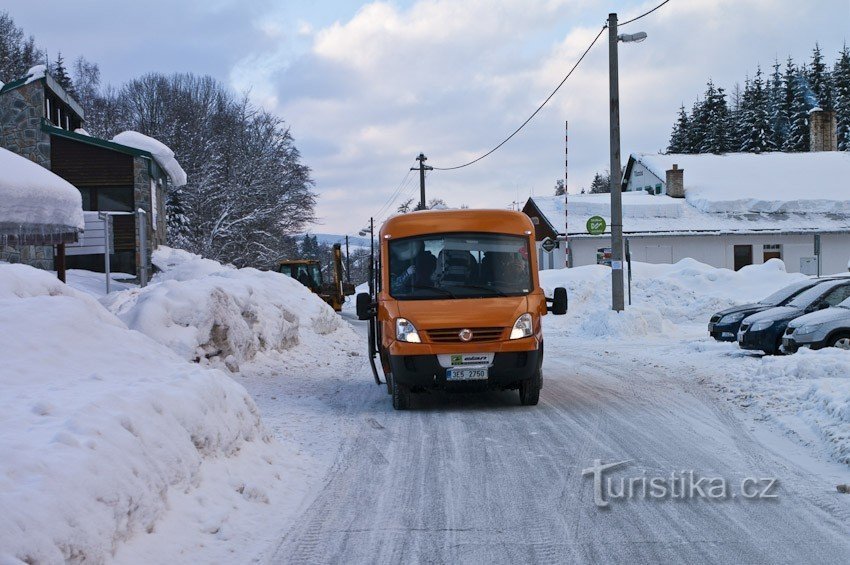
<point>642,15</point>
<point>517,130</point>
<point>586,51</point>
<point>393,196</point>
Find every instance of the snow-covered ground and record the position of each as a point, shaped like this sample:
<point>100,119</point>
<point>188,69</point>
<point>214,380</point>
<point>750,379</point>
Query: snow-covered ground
<point>227,415</point>
<point>115,446</point>
<point>806,395</point>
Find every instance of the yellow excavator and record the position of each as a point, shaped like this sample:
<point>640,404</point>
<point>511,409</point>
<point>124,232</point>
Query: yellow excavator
<point>309,273</point>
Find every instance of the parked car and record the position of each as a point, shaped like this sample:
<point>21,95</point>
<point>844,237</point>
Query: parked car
<point>724,325</point>
<point>824,328</point>
<point>764,330</point>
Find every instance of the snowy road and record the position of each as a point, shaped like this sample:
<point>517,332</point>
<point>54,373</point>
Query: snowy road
<point>477,478</point>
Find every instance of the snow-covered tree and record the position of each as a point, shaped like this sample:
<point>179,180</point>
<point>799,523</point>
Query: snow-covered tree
<point>820,80</point>
<point>714,119</point>
<point>60,74</point>
<point>560,190</point>
<point>754,121</point>
<point>601,184</point>
<point>798,131</point>
<point>841,87</point>
<point>17,52</point>
<point>680,137</point>
<point>778,113</point>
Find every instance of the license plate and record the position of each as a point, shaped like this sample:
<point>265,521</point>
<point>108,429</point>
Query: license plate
<point>467,374</point>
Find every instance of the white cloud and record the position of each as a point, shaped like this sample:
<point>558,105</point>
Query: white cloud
<point>453,78</point>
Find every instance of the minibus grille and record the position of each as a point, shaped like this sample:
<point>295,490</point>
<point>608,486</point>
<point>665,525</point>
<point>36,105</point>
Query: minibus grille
<point>451,335</point>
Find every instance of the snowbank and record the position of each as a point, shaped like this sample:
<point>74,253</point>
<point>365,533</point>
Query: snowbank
<point>102,428</point>
<point>210,313</point>
<point>163,155</point>
<point>664,297</point>
<point>34,200</point>
<point>807,395</point>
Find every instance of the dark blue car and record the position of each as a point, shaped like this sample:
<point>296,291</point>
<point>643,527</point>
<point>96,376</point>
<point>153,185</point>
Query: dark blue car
<point>724,325</point>
<point>763,331</point>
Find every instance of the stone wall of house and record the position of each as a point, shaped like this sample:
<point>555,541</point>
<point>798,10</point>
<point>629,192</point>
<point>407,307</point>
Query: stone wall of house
<point>142,195</point>
<point>21,112</point>
<point>38,256</point>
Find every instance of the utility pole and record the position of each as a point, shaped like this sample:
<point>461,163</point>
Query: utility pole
<point>617,298</point>
<point>372,257</point>
<point>347,262</point>
<point>422,168</point>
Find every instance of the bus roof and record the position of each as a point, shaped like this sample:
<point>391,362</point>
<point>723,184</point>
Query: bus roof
<point>447,221</point>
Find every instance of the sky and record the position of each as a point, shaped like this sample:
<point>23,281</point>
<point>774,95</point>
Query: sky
<point>366,86</point>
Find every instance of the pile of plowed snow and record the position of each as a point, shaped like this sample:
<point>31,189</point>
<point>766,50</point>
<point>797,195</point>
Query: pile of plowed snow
<point>665,298</point>
<point>211,313</point>
<point>103,430</point>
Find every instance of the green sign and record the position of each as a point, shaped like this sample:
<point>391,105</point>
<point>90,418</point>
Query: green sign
<point>596,225</point>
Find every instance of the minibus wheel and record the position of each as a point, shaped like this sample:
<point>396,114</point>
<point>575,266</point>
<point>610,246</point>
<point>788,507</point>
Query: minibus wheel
<point>529,389</point>
<point>401,396</point>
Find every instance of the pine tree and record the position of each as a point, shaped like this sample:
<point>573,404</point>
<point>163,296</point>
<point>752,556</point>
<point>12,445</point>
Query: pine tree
<point>798,132</point>
<point>60,73</point>
<point>819,80</point>
<point>698,127</point>
<point>776,109</point>
<point>601,184</point>
<point>841,92</point>
<point>716,119</point>
<point>559,187</point>
<point>679,138</point>
<point>755,122</point>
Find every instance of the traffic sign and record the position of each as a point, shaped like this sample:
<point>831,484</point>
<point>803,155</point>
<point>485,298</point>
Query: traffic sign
<point>596,225</point>
<point>549,244</point>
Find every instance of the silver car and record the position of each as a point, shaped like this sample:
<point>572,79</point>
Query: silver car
<point>824,328</point>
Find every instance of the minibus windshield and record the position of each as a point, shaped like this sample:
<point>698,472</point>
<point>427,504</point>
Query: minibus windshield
<point>459,265</point>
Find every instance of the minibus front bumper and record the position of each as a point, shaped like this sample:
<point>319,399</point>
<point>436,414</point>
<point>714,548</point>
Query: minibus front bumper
<point>507,370</point>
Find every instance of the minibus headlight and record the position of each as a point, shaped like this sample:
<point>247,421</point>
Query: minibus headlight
<point>523,327</point>
<point>405,331</point>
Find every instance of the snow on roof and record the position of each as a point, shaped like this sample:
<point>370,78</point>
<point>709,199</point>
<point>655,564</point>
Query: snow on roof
<point>646,213</point>
<point>762,183</point>
<point>162,154</point>
<point>36,202</point>
<point>35,73</point>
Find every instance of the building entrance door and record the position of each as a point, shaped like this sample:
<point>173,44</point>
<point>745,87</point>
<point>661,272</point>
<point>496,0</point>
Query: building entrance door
<point>743,256</point>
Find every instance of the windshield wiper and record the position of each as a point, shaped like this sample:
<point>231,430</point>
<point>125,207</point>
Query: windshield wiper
<point>445,291</point>
<point>482,287</point>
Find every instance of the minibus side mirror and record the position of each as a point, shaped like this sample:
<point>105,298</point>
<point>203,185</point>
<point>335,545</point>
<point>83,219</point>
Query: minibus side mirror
<point>364,306</point>
<point>559,302</point>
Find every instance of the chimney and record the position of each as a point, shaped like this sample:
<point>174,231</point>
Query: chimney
<point>676,182</point>
<point>822,136</point>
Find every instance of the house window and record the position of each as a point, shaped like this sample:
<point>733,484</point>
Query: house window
<point>743,256</point>
<point>107,199</point>
<point>772,251</point>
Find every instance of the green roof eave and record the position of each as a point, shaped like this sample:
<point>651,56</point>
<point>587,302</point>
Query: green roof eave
<point>17,84</point>
<point>96,141</point>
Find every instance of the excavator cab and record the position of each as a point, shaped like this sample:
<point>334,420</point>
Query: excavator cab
<point>306,271</point>
<point>309,273</point>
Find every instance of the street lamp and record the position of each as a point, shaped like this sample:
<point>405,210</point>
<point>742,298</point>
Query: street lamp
<point>371,232</point>
<point>617,293</point>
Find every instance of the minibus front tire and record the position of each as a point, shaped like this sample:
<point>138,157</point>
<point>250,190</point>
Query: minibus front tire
<point>401,395</point>
<point>529,389</point>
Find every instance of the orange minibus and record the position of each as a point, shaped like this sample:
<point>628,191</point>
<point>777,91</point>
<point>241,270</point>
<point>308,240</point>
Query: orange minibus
<point>457,304</point>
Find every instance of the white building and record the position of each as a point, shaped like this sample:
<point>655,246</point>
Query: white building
<point>724,210</point>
